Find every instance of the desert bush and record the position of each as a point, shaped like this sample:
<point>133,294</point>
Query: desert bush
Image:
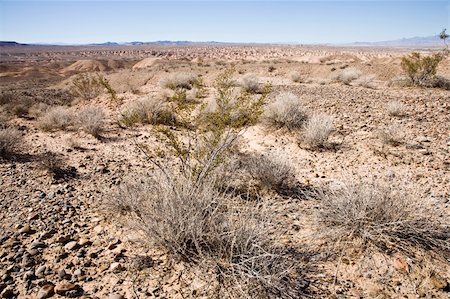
<point>381,214</point>
<point>392,135</point>
<point>286,111</point>
<point>147,111</point>
<point>86,86</point>
<point>10,141</point>
<point>317,130</point>
<point>272,171</point>
<point>348,75</point>
<point>250,84</point>
<point>421,69</point>
<point>91,120</point>
<point>115,100</point>
<point>440,82</point>
<point>396,108</point>
<point>39,109</point>
<point>56,118</point>
<point>365,81</point>
<point>297,77</point>
<point>180,80</point>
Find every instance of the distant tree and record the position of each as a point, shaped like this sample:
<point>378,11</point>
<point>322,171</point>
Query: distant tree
<point>443,35</point>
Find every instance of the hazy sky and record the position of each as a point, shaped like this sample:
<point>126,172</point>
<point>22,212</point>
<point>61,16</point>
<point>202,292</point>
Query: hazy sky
<point>234,21</point>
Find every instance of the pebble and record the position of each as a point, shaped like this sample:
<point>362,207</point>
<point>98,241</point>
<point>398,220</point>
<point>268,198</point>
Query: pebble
<point>38,244</point>
<point>46,291</point>
<point>71,245</point>
<point>26,229</point>
<point>63,287</point>
<point>116,296</point>
<point>116,267</point>
<point>40,272</point>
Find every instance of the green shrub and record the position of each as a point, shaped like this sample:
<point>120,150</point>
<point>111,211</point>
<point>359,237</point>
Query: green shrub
<point>421,69</point>
<point>86,86</point>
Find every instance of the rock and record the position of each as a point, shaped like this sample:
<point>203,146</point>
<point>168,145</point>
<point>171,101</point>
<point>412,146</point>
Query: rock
<point>40,272</point>
<point>62,273</point>
<point>26,229</point>
<point>64,287</point>
<point>83,241</point>
<point>115,267</point>
<point>46,291</point>
<point>71,245</point>
<point>438,282</point>
<point>116,296</point>
<point>38,244</point>
<point>8,292</point>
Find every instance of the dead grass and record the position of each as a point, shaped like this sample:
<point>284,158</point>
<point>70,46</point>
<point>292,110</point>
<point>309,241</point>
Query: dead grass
<point>366,81</point>
<point>91,120</point>
<point>272,171</point>
<point>194,221</point>
<point>57,118</point>
<point>392,135</point>
<point>348,75</point>
<point>179,80</point>
<point>250,84</point>
<point>396,108</point>
<point>386,216</point>
<point>10,141</point>
<point>86,86</point>
<point>148,111</point>
<point>317,130</point>
<point>286,111</point>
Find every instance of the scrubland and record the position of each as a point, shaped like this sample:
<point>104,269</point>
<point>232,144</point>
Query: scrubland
<point>223,172</point>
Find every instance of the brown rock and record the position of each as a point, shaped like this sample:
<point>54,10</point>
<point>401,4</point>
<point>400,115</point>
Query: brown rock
<point>46,291</point>
<point>63,287</point>
<point>71,245</point>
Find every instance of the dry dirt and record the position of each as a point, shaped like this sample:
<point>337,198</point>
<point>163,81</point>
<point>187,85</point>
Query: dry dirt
<point>54,231</point>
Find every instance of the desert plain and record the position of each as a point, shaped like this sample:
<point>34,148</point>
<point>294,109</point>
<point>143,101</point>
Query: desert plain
<point>62,233</point>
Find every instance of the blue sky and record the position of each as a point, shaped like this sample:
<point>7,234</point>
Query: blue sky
<point>233,21</point>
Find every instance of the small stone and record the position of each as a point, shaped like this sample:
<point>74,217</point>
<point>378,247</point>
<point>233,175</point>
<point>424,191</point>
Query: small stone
<point>26,229</point>
<point>46,291</point>
<point>62,273</point>
<point>38,244</point>
<point>116,296</point>
<point>8,292</point>
<point>40,271</point>
<point>71,245</point>
<point>78,272</point>
<point>63,287</point>
<point>438,282</point>
<point>83,241</point>
<point>115,267</point>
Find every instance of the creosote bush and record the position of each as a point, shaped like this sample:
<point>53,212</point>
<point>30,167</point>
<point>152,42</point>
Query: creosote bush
<point>91,120</point>
<point>86,86</point>
<point>182,210</point>
<point>56,118</point>
<point>365,81</point>
<point>148,111</point>
<point>317,130</point>
<point>10,141</point>
<point>421,69</point>
<point>380,214</point>
<point>396,108</point>
<point>286,111</point>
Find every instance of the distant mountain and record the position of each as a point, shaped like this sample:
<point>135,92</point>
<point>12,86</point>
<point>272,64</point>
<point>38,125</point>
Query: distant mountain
<point>10,43</point>
<point>105,44</point>
<point>428,41</point>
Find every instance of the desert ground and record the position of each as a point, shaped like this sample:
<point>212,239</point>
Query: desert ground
<point>79,216</point>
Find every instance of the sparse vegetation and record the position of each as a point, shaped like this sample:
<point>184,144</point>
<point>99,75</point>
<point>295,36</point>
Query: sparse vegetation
<point>111,91</point>
<point>56,118</point>
<point>10,141</point>
<point>250,84</point>
<point>396,108</point>
<point>180,80</point>
<point>91,120</point>
<point>317,130</point>
<point>147,111</point>
<point>286,111</point>
<point>392,135</point>
<point>272,171</point>
<point>380,214</point>
<point>297,77</point>
<point>348,75</point>
<point>365,81</point>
